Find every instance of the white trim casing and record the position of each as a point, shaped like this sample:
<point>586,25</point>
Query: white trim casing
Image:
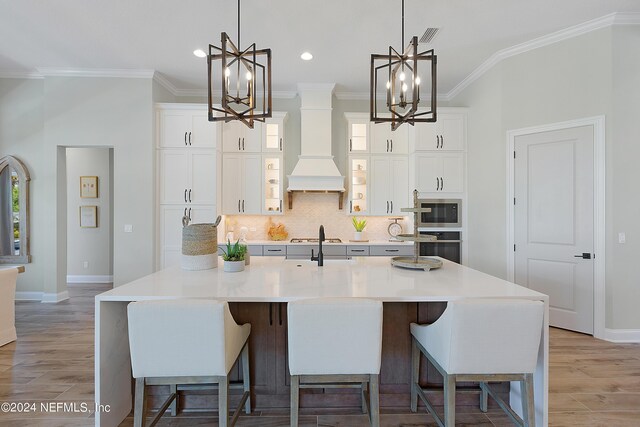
<point>28,296</point>
<point>55,298</point>
<point>599,200</point>
<point>622,335</point>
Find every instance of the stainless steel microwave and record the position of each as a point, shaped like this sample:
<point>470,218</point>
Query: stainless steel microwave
<point>440,213</point>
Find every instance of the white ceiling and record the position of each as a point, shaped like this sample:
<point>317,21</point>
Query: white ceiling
<point>161,35</point>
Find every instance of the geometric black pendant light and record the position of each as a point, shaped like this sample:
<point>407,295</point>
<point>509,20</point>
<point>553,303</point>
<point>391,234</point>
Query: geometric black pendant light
<point>242,80</point>
<point>399,76</point>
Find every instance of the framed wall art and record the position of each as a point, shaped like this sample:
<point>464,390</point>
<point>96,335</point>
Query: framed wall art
<point>89,187</point>
<point>88,216</point>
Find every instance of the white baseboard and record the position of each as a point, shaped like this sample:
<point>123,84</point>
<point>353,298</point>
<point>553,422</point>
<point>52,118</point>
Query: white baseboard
<point>89,279</point>
<point>622,335</point>
<point>54,298</point>
<point>28,296</point>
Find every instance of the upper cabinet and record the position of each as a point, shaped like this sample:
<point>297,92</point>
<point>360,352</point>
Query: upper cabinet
<point>447,134</point>
<point>358,132</point>
<point>273,138</point>
<point>185,126</point>
<point>386,141</point>
<point>238,138</point>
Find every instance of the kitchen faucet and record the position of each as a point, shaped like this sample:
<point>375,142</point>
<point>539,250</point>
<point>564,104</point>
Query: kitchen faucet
<point>320,257</point>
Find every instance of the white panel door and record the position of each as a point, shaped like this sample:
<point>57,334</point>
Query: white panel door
<point>425,137</point>
<point>232,137</point>
<point>399,140</point>
<point>175,128</point>
<point>380,138</point>
<point>232,184</point>
<point>252,138</point>
<point>171,234</point>
<point>203,177</point>
<point>253,179</point>
<point>203,132</point>
<point>554,220</point>
<point>399,194</point>
<point>380,185</point>
<point>451,130</point>
<point>174,176</point>
<point>452,178</point>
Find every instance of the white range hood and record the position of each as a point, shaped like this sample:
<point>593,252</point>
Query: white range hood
<point>315,171</point>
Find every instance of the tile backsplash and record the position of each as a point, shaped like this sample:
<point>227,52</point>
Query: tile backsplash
<point>309,211</point>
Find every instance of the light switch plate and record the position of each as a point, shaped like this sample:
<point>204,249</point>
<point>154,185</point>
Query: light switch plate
<point>128,228</point>
<point>622,238</point>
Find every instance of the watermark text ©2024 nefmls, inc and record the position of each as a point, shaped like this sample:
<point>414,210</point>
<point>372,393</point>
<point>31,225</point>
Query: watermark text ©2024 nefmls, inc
<point>53,407</point>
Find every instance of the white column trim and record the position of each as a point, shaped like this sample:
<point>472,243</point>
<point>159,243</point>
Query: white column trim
<point>599,285</point>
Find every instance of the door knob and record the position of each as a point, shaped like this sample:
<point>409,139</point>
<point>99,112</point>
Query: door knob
<point>585,255</point>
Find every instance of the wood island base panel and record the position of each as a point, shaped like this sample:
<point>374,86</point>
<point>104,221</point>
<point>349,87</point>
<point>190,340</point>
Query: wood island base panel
<point>259,296</point>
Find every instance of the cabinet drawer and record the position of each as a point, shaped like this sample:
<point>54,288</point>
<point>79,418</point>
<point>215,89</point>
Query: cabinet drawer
<point>255,250</point>
<point>391,250</point>
<point>305,250</point>
<point>358,250</point>
<point>274,250</point>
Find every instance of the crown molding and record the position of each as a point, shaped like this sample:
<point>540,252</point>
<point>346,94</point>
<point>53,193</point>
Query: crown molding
<point>364,96</point>
<point>96,72</point>
<point>22,74</point>
<point>558,36</point>
<point>165,83</point>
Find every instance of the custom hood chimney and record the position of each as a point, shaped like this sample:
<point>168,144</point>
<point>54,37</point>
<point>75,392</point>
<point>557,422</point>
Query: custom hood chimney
<point>315,171</point>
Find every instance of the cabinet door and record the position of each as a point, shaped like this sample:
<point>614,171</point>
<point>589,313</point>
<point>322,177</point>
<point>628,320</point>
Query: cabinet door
<point>359,194</point>
<point>452,173</point>
<point>381,138</point>
<point>358,136</point>
<point>272,184</point>
<point>175,127</point>
<point>273,138</point>
<point>232,184</point>
<point>399,140</point>
<point>252,192</point>
<point>174,176</point>
<point>426,136</point>
<point>399,189</point>
<point>380,186</point>
<point>170,241</point>
<point>202,214</point>
<point>203,132</point>
<point>428,172</point>
<point>203,177</point>
<point>232,137</point>
<point>451,129</point>
<point>252,138</point>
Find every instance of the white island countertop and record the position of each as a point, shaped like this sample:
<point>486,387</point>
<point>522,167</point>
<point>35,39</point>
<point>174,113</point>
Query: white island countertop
<point>274,279</point>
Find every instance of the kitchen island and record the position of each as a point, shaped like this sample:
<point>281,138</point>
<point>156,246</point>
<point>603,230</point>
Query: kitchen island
<point>259,295</point>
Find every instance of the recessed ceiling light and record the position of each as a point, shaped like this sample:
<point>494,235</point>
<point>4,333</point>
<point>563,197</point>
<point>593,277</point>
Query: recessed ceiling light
<point>306,56</point>
<point>199,53</point>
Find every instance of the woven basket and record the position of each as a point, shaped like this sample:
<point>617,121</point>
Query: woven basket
<point>199,247</point>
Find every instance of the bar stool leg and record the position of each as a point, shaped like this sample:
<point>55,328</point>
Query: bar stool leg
<point>295,394</point>
<point>140,409</point>
<point>449,400</point>
<point>374,400</point>
<point>223,402</point>
<point>364,397</point>
<point>415,374</point>
<point>246,377</point>
<point>528,409</point>
<point>173,389</point>
<point>484,397</point>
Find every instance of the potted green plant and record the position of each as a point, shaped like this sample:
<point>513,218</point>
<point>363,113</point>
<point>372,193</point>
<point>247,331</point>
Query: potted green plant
<point>359,225</point>
<point>233,257</point>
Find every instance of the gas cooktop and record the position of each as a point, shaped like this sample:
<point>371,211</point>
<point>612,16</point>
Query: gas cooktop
<point>314,240</point>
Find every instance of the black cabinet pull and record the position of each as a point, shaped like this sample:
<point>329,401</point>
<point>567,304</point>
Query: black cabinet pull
<point>585,255</point>
<point>357,250</point>
<point>280,144</point>
<point>274,250</point>
<point>387,145</point>
<point>185,138</point>
<point>189,138</point>
<point>238,205</point>
<point>189,195</point>
<point>392,145</point>
<point>185,195</point>
<point>350,145</point>
<point>238,144</point>
<point>437,183</point>
<point>391,250</point>
<point>243,144</point>
<point>280,205</point>
<point>351,206</point>
<point>441,141</point>
<point>189,214</point>
<point>392,206</point>
<point>280,313</point>
<point>441,183</point>
<point>270,314</point>
<point>243,205</point>
<point>185,212</point>
<point>387,206</point>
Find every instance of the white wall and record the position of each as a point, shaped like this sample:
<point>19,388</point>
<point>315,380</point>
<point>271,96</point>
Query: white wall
<point>89,245</point>
<point>594,74</point>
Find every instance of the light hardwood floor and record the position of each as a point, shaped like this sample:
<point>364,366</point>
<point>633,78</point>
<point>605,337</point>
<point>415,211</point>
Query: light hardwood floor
<point>592,382</point>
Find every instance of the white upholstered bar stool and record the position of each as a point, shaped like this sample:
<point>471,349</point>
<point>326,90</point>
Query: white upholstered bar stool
<point>186,342</point>
<point>480,340</point>
<point>335,342</point>
<point>8,278</point>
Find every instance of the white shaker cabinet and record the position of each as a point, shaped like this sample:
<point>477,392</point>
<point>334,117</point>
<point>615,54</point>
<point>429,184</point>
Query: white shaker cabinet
<point>189,127</point>
<point>446,134</point>
<point>242,184</point>
<point>187,176</point>
<point>439,172</point>
<point>358,132</point>
<point>386,141</point>
<point>239,138</point>
<point>273,135</point>
<point>389,185</point>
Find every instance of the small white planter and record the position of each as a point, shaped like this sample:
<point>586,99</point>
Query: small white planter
<point>233,266</point>
<point>357,236</point>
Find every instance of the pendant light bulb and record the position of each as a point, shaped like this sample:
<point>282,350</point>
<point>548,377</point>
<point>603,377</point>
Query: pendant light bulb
<point>248,76</point>
<point>417,80</point>
<point>388,84</point>
<point>402,76</point>
<point>404,87</point>
<point>227,72</point>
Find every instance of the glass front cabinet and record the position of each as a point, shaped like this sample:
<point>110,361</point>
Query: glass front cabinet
<point>273,185</point>
<point>358,191</point>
